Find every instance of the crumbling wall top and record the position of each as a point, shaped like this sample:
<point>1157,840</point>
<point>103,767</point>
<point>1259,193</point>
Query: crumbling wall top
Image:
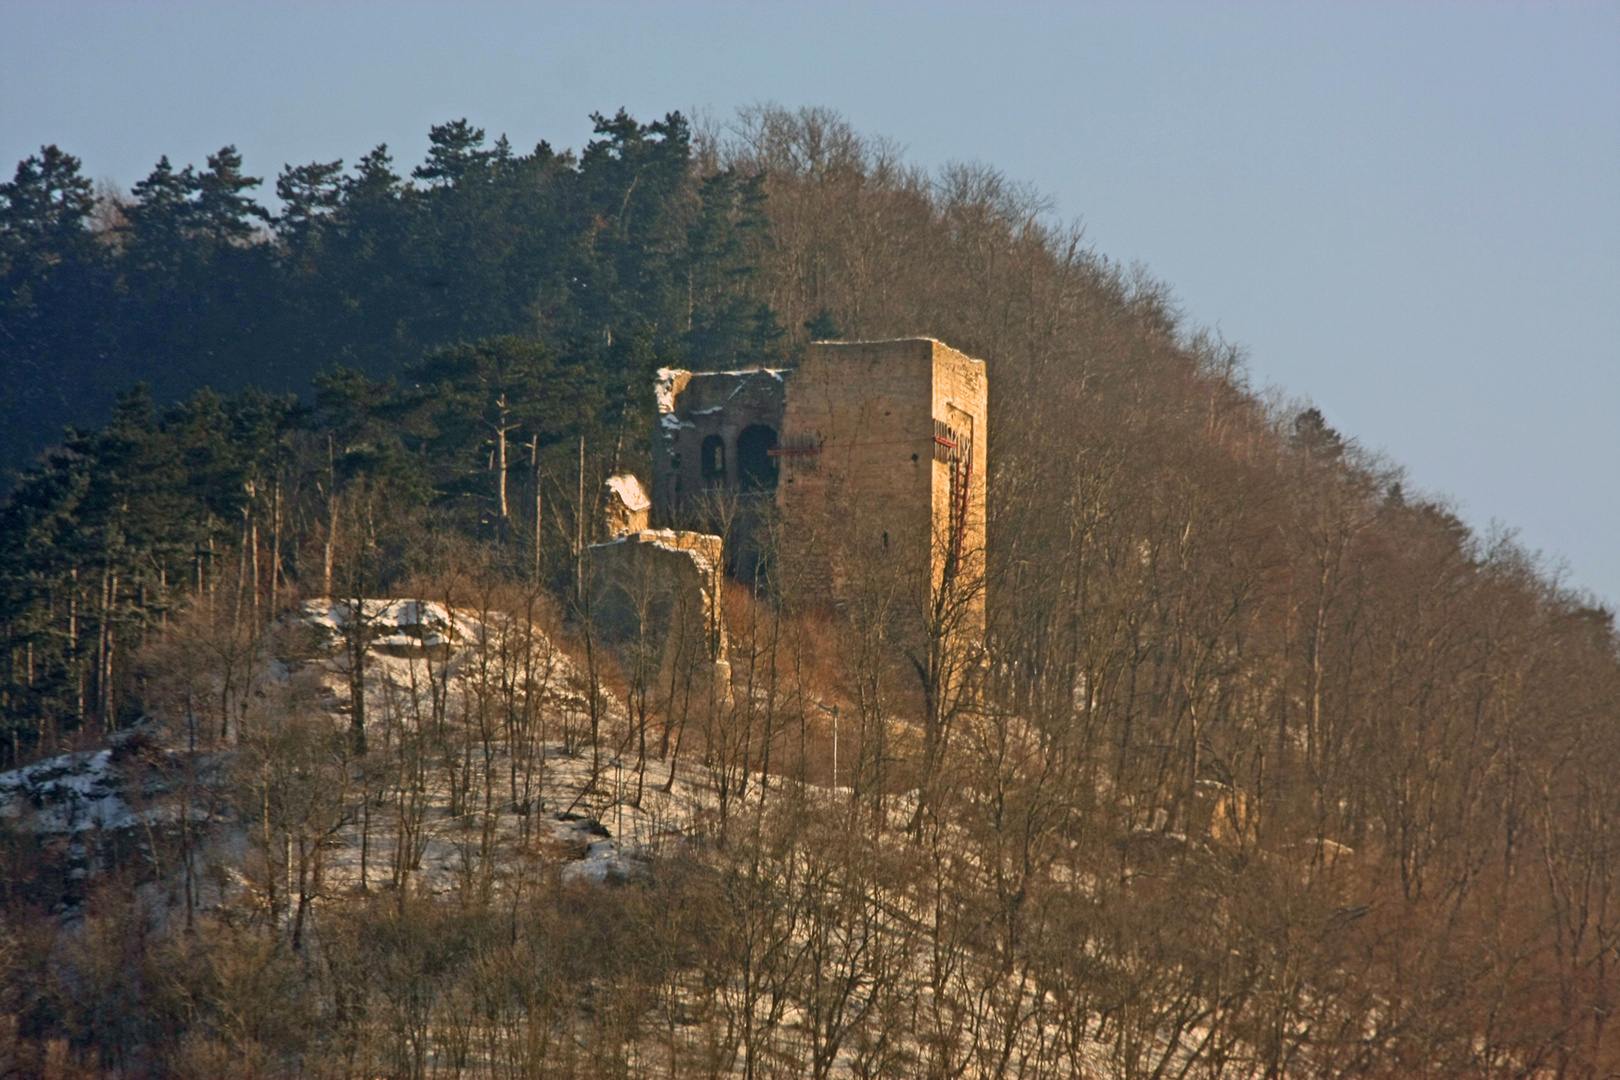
<point>705,550</point>
<point>626,507</point>
<point>628,488</point>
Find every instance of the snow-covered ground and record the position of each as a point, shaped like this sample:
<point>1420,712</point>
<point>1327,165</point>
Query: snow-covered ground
<point>67,794</point>
<point>122,786</point>
<point>588,810</point>
<point>399,624</point>
<point>588,813</point>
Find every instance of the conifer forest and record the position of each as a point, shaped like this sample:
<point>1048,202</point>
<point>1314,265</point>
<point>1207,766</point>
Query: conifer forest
<point>314,760</point>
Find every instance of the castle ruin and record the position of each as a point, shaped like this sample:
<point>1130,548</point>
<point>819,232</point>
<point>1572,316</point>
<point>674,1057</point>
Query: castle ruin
<point>868,458</point>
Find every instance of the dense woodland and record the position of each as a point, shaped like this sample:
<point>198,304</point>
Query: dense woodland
<point>1265,768</point>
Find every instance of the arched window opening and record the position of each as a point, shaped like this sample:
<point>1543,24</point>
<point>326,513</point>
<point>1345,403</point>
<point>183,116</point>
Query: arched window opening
<point>712,459</point>
<point>756,468</point>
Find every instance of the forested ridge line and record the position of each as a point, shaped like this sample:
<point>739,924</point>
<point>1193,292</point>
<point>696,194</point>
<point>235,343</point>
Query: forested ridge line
<point>1269,767</point>
<point>617,254</point>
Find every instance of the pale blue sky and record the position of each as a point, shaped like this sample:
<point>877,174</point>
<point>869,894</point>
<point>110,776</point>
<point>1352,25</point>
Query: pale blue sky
<point>1408,213</point>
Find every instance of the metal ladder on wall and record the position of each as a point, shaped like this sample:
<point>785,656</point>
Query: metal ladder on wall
<point>961,459</point>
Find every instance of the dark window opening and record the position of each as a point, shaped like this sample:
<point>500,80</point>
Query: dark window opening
<point>712,459</point>
<point>756,468</point>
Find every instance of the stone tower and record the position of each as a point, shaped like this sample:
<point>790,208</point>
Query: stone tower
<point>884,466</point>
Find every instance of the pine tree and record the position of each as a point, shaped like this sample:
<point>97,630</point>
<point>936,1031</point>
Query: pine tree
<point>223,213</point>
<point>54,293</point>
<point>455,155</point>
<point>477,403</point>
<point>45,212</point>
<point>727,324</point>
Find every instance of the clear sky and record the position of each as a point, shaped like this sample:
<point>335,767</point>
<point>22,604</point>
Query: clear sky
<point>1409,214</point>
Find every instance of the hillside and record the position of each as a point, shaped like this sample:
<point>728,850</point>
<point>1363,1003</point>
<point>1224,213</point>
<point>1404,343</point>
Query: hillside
<point>1264,766</point>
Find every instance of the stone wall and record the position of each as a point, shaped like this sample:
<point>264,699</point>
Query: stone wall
<point>880,440</point>
<point>709,422</point>
<point>655,597</point>
<point>960,519</point>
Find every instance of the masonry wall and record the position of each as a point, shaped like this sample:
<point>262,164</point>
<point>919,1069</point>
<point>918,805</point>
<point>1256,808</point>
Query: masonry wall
<point>695,407</point>
<point>865,489</point>
<point>961,404</point>
<point>659,590</point>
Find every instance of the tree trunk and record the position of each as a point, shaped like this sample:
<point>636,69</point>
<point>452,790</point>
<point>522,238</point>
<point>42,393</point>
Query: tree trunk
<point>104,651</point>
<point>275,545</point>
<point>331,517</point>
<point>241,574</point>
<point>500,465</point>
<point>534,457</point>
<point>253,546</point>
<point>73,645</point>
<point>579,528</point>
